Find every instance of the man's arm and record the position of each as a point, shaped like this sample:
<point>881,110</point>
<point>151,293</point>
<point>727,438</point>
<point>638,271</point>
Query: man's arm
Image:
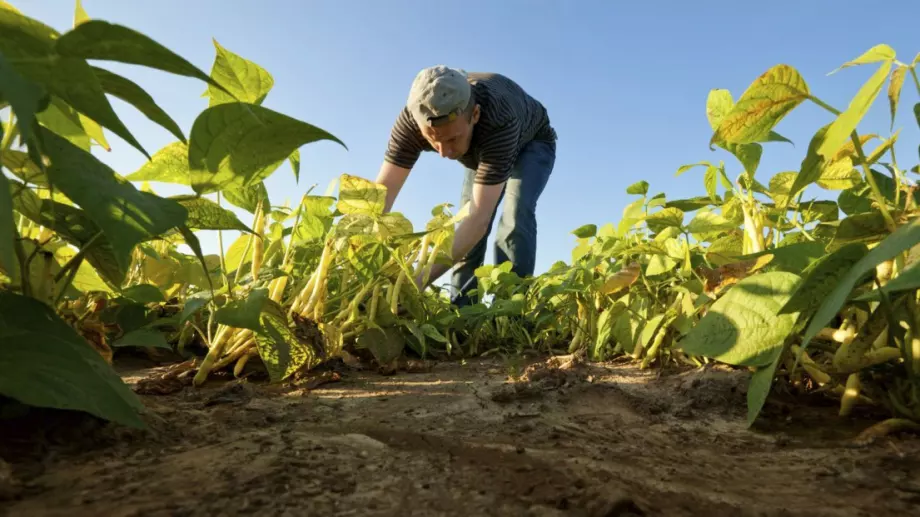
<point>392,177</point>
<point>471,229</point>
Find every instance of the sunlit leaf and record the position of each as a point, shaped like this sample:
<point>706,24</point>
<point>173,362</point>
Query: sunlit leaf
<point>743,327</point>
<point>762,106</point>
<point>707,222</point>
<point>282,352</point>
<point>360,196</point>
<point>640,188</point>
<point>873,55</point>
<point>130,92</point>
<point>840,130</point>
<point>665,218</point>
<point>204,214</point>
<point>894,90</point>
<point>839,175</point>
<point>168,165</point>
<point>243,79</point>
<point>248,198</point>
<point>867,228</point>
<point>585,231</point>
<point>23,167</point>
<point>236,145</point>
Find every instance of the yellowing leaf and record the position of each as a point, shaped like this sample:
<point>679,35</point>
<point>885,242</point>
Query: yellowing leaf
<point>894,90</point>
<point>839,175</point>
<point>245,80</point>
<point>873,55</point>
<point>842,127</point>
<point>621,279</point>
<point>360,196</point>
<point>762,106</point>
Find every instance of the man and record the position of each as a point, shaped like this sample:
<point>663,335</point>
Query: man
<point>503,138</point>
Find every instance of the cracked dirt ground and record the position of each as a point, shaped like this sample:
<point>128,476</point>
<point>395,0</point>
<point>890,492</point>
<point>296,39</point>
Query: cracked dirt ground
<point>459,440</point>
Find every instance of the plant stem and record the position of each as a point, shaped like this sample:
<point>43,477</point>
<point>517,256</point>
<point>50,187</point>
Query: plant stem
<point>223,261</point>
<point>824,105</point>
<point>876,193</point>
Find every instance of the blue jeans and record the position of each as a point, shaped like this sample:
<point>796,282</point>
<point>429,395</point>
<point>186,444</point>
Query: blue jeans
<point>516,239</point>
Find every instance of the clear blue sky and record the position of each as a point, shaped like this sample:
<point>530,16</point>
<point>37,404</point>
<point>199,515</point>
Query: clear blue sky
<point>625,83</point>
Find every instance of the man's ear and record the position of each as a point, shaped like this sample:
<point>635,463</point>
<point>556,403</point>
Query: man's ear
<point>475,117</point>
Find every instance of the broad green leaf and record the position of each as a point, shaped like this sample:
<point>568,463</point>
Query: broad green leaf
<point>743,327</point>
<point>23,167</point>
<point>386,344</point>
<point>813,163</point>
<point>281,350</point>
<point>894,90</point>
<point>640,188</point>
<point>101,40</point>
<point>204,214</point>
<point>87,278</point>
<point>7,226</point>
<point>711,181</point>
<point>843,126</point>
<point>780,187</point>
<point>235,253</point>
<point>903,239</point>
<point>759,387</point>
<point>245,313</point>
<point>248,198</point>
<point>133,94</point>
<point>65,121</point>
<point>168,165</point>
<point>74,226</point>
<point>360,196</point>
<point>762,106</point>
<point>707,222</point>
<point>585,231</point>
<point>368,259</point>
<point>824,211</point>
<point>867,228</point>
<point>693,204</point>
<point>45,363</point>
<point>143,337</point>
<point>855,200</point>
<point>839,175</point>
<point>236,145</point>
<point>719,103</point>
<point>748,154</point>
<point>144,293</point>
<point>821,277</point>
<point>873,55</point>
<point>665,218</point>
<point>244,80</point>
<point>684,168</point>
<point>126,215</point>
<point>25,98</point>
<point>726,249</point>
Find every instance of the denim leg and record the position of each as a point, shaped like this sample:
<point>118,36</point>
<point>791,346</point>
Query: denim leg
<point>516,236</point>
<point>463,278</point>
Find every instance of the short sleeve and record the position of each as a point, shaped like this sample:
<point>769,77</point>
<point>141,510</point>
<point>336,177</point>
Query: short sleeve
<point>406,143</point>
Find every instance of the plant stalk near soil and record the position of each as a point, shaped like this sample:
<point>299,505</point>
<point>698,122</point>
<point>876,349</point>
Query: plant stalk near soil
<point>809,295</point>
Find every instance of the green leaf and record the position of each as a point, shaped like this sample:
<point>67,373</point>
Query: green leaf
<point>855,200</point>
<point>248,198</point>
<point>684,168</point>
<point>824,211</point>
<point>762,106</point>
<point>386,344</point>
<point>295,164</point>
<point>812,165</point>
<point>126,215</point>
<point>894,90</point>
<point>719,103</point>
<point>664,218</point>
<point>204,214</point>
<point>360,196</point>
<point>693,204</point>
<point>45,363</point>
<point>24,97</point>
<point>748,154</point>
<point>711,181</point>
<point>781,186</point>
<point>707,222</point>
<point>726,249</point>
<point>244,80</point>
<point>236,145</point>
<point>873,55</point>
<point>843,126</point>
<point>368,259</point>
<point>65,121</point>
<point>79,14</point>
<point>640,188</point>
<point>743,327</point>
<point>245,313</point>
<point>101,40</point>
<point>839,175</point>
<point>130,92</point>
<point>821,277</point>
<point>7,226</point>
<point>759,387</point>
<point>904,238</point>
<point>279,347</point>
<point>144,293</point>
<point>143,337</point>
<point>22,167</point>
<point>168,165</point>
<point>867,228</point>
<point>585,231</point>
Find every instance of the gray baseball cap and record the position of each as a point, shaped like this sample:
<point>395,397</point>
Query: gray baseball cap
<point>438,95</point>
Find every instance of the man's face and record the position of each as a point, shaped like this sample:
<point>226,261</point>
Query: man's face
<point>452,140</point>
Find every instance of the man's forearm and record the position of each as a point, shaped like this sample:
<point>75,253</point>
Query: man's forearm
<point>392,177</point>
<point>468,233</point>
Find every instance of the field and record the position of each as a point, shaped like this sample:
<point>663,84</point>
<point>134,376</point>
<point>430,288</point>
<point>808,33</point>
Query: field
<point>749,351</point>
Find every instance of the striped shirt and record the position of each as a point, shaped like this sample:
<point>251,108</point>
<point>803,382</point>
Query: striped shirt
<point>509,119</point>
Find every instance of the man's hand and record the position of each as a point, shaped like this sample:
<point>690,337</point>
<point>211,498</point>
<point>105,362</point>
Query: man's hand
<point>471,229</point>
